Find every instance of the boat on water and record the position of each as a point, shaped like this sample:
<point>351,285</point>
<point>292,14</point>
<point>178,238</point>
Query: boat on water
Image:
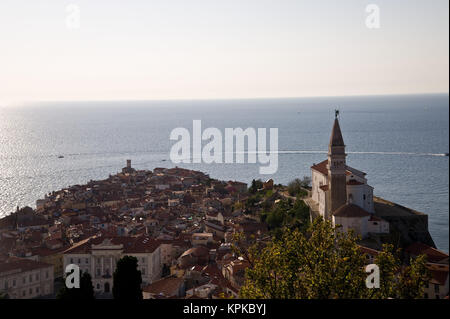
<point>60,156</point>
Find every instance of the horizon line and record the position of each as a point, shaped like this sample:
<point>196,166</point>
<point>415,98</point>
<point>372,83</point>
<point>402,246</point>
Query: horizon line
<point>215,99</point>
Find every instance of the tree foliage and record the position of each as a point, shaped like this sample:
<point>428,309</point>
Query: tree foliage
<point>127,279</point>
<point>4,295</point>
<point>398,280</point>
<point>287,214</point>
<point>256,184</point>
<point>323,263</point>
<point>297,186</point>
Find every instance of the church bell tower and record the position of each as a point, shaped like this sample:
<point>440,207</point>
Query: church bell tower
<point>337,194</point>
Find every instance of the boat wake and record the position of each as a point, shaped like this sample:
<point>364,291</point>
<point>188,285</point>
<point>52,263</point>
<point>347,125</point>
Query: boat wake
<point>375,153</point>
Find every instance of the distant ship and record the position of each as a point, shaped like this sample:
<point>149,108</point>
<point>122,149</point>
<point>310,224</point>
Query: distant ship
<point>60,156</point>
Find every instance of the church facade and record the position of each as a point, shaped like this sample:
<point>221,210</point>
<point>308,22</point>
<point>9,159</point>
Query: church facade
<point>341,193</point>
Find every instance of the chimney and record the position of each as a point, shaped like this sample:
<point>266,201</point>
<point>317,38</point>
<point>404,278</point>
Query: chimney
<point>128,163</point>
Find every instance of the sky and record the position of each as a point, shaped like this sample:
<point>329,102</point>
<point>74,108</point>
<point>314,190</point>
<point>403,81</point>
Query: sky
<point>211,49</point>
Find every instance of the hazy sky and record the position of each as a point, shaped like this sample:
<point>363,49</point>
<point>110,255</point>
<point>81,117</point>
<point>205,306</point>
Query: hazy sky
<point>175,49</point>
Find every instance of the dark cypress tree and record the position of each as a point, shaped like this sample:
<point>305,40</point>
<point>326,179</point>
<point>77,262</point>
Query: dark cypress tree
<point>127,279</point>
<point>86,290</point>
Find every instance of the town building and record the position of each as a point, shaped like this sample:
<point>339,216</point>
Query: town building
<point>22,278</point>
<point>98,256</point>
<point>341,194</point>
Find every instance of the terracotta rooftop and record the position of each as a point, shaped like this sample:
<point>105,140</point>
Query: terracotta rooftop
<point>322,168</point>
<point>141,244</point>
<point>350,210</point>
<point>433,255</point>
<point>21,265</point>
<point>167,286</point>
<point>368,250</point>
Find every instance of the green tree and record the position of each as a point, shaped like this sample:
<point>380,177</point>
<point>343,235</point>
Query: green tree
<point>398,280</point>
<point>296,187</point>
<point>86,290</point>
<point>287,214</point>
<point>323,264</point>
<point>127,279</point>
<point>256,184</point>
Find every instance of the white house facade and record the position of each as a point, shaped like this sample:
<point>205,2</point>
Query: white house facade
<point>99,255</point>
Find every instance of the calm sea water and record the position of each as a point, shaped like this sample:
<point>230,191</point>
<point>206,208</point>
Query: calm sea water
<point>399,141</point>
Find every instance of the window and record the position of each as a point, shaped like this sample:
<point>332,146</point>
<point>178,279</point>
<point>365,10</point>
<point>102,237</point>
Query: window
<point>31,291</point>
<point>98,271</point>
<point>364,196</point>
<point>71,260</point>
<point>87,260</point>
<point>24,280</point>
<point>79,261</point>
<point>46,274</point>
<point>14,283</point>
<point>31,278</point>
<point>143,271</point>
<point>37,290</point>
<point>37,277</point>
<point>436,288</point>
<point>24,293</point>
<point>6,284</point>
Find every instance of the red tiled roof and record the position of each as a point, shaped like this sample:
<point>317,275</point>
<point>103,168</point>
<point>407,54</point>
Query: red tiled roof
<point>321,167</point>
<point>433,255</point>
<point>167,286</point>
<point>141,244</point>
<point>21,264</point>
<point>350,210</point>
<point>368,250</point>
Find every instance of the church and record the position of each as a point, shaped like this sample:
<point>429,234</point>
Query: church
<point>340,193</point>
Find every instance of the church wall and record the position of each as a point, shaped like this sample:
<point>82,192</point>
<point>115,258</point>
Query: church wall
<point>358,224</point>
<point>361,195</point>
<point>318,179</point>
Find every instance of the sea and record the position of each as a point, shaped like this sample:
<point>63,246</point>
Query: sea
<point>400,141</point>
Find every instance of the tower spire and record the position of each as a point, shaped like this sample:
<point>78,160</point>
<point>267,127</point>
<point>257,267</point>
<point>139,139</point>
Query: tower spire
<point>336,138</point>
<point>337,194</point>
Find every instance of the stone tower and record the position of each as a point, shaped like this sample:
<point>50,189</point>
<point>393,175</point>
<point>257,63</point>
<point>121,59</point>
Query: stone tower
<point>337,194</point>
